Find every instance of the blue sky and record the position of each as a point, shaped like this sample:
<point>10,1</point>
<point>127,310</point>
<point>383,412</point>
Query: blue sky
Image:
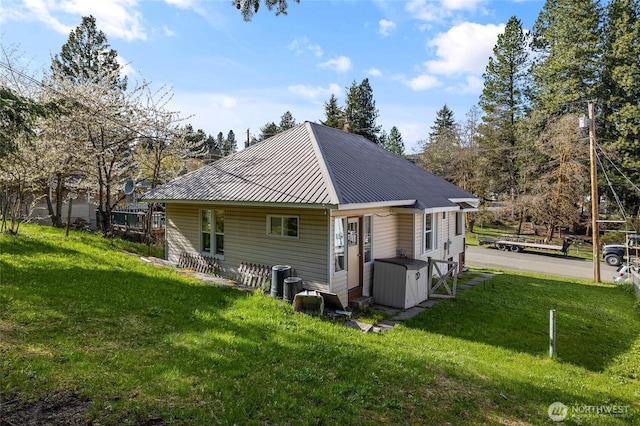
<point>227,74</point>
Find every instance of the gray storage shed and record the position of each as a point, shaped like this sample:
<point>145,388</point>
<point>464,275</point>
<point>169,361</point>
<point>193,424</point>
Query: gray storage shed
<point>400,282</point>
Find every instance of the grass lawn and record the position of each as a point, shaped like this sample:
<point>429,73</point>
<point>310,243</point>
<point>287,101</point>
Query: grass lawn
<point>90,335</point>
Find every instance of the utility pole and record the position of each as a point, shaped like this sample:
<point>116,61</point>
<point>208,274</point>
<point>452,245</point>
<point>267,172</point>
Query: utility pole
<point>594,196</point>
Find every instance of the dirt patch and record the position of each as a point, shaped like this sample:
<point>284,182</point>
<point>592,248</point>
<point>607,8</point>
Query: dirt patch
<point>60,409</point>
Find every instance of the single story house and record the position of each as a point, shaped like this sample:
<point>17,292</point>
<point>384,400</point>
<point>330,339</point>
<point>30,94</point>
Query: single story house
<point>322,200</point>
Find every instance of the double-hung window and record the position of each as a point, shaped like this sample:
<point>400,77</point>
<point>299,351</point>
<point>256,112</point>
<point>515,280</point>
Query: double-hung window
<point>212,232</point>
<point>429,243</point>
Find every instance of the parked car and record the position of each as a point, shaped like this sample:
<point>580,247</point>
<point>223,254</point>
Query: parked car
<point>614,254</point>
<point>622,274</point>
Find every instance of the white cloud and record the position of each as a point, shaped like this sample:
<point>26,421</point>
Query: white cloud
<point>168,32</point>
<point>374,72</point>
<point>461,4</point>
<point>314,93</point>
<point>385,27</point>
<point>473,85</point>
<point>423,82</point>
<point>117,18</point>
<point>302,45</point>
<point>182,4</point>
<point>430,10</point>
<point>340,64</point>
<point>423,10</point>
<point>465,48</point>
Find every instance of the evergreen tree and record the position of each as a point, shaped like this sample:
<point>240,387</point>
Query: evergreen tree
<point>383,140</point>
<point>220,142</point>
<point>444,126</point>
<point>334,116</point>
<point>443,145</point>
<point>361,110</point>
<point>196,140</point>
<point>504,102</point>
<point>286,122</point>
<point>394,142</point>
<point>621,91</point>
<point>268,130</point>
<point>87,56</point>
<point>567,39</point>
<point>18,116</point>
<point>230,144</point>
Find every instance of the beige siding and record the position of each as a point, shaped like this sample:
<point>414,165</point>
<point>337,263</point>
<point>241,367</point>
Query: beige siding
<point>406,240</point>
<point>246,239</point>
<point>311,255</point>
<point>182,230</point>
<point>446,231</point>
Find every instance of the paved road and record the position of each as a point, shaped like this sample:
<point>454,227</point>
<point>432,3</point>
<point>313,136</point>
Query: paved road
<point>553,264</point>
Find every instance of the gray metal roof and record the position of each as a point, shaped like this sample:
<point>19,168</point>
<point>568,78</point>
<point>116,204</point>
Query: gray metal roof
<point>313,164</point>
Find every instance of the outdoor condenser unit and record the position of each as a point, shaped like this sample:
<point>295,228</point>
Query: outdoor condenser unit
<point>400,282</point>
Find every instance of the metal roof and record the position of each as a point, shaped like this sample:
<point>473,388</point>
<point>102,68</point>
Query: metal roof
<point>312,164</point>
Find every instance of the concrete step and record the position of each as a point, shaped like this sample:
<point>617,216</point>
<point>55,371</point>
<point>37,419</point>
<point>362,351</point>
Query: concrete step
<point>361,302</point>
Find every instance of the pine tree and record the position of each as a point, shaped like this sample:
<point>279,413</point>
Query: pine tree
<point>394,142</point>
<point>268,130</point>
<point>220,141</point>
<point>87,56</point>
<point>621,91</point>
<point>504,102</point>
<point>361,110</point>
<point>443,145</point>
<point>567,39</point>
<point>334,116</point>
<point>286,122</point>
<point>230,144</point>
<point>444,126</point>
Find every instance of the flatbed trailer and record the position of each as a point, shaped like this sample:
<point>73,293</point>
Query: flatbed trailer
<point>518,246</point>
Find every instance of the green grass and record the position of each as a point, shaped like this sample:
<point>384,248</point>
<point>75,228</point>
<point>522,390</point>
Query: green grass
<point>90,334</point>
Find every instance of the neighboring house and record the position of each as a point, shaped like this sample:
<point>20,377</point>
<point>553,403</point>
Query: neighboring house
<point>322,200</point>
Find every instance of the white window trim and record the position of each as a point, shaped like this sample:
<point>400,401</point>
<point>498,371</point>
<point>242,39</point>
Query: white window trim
<point>434,233</point>
<point>460,225</point>
<point>343,219</point>
<point>282,217</point>
<point>212,234</point>
<point>364,235</point>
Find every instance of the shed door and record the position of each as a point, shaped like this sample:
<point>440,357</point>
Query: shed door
<point>354,258</point>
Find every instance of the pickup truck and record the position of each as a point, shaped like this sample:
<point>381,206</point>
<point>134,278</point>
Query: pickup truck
<point>614,254</point>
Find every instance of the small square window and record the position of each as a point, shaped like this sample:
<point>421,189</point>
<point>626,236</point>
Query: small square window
<point>283,226</point>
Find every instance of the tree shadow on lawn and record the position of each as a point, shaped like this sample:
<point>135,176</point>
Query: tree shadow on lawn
<point>595,323</point>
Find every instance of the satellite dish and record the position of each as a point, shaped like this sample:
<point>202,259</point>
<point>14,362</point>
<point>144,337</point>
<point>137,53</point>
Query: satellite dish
<point>129,186</point>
